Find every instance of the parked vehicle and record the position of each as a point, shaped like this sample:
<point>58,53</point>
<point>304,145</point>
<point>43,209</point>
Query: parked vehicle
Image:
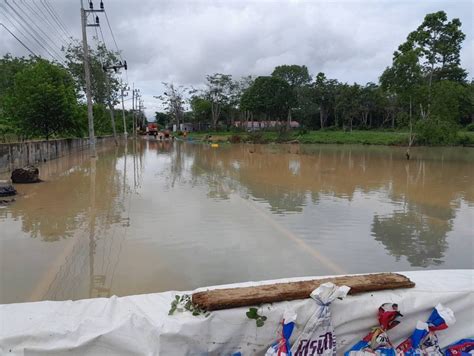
<point>152,129</point>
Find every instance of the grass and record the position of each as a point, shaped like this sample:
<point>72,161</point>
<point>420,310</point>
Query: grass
<point>341,137</point>
<point>388,138</point>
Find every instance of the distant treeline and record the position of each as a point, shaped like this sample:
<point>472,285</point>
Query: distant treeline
<point>43,99</point>
<point>425,91</point>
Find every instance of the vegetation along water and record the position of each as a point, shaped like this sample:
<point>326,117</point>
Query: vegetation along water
<point>424,94</point>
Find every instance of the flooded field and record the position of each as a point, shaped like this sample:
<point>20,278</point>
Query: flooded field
<point>148,217</point>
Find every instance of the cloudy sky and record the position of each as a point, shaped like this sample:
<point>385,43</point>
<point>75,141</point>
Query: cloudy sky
<point>182,41</point>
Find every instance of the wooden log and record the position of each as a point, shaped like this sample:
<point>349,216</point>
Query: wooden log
<point>247,296</point>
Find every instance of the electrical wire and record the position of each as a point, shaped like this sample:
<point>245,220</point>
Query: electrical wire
<point>32,21</point>
<point>56,18</point>
<point>24,45</point>
<point>31,32</point>
<point>102,62</point>
<point>19,30</point>
<point>112,33</point>
<point>115,42</point>
<point>53,25</point>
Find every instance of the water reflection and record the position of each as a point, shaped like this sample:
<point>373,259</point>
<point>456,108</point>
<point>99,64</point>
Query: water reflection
<point>107,222</point>
<point>152,216</point>
<point>420,237</point>
<point>289,178</point>
<point>41,211</point>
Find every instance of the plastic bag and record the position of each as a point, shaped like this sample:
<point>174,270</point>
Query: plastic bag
<point>377,341</point>
<point>317,337</point>
<point>424,341</point>
<point>461,347</point>
<point>282,347</point>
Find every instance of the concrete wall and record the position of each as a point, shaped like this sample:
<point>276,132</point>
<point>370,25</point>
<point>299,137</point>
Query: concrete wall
<point>15,155</point>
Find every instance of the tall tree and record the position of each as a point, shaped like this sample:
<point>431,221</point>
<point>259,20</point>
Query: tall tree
<point>162,118</point>
<point>219,91</point>
<point>404,77</point>
<point>43,100</point>
<point>202,109</point>
<point>295,75</point>
<point>174,99</point>
<point>105,84</point>
<point>9,67</point>
<point>434,50</point>
<point>438,43</point>
<point>270,96</point>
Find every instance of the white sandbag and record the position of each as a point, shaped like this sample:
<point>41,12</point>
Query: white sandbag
<point>140,324</point>
<point>317,337</point>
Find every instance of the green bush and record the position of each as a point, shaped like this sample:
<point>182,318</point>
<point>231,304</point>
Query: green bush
<point>255,137</point>
<point>464,140</point>
<point>303,131</point>
<point>470,127</point>
<point>283,136</point>
<point>436,132</point>
<point>236,129</point>
<point>235,139</point>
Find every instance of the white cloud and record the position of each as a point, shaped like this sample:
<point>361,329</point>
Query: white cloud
<point>182,41</point>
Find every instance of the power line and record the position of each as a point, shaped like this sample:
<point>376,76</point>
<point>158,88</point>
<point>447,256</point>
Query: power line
<point>33,33</point>
<point>102,36</point>
<point>112,33</point>
<point>57,29</point>
<point>17,29</point>
<point>28,30</point>
<point>56,18</point>
<point>24,45</point>
<point>32,21</point>
<point>115,42</point>
<point>98,44</point>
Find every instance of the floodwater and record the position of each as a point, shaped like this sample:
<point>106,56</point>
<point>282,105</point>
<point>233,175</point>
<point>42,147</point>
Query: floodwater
<point>149,217</point>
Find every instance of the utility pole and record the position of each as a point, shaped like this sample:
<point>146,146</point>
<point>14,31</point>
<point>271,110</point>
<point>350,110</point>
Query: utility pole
<point>137,106</point>
<point>111,108</point>
<point>133,110</point>
<point>112,118</point>
<point>122,89</point>
<point>87,73</point>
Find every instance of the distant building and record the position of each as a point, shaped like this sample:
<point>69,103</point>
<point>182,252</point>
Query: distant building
<point>258,125</point>
<point>186,126</point>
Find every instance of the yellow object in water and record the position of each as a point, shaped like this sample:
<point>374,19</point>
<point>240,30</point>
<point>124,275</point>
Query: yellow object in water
<point>214,145</point>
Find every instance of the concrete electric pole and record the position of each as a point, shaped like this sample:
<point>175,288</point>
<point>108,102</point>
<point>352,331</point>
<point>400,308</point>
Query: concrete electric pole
<point>87,72</point>
<point>122,90</point>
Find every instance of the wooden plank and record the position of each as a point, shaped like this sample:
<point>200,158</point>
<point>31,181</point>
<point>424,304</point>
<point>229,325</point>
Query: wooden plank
<point>248,296</point>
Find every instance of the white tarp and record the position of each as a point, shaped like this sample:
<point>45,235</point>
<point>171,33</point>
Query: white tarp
<point>140,325</point>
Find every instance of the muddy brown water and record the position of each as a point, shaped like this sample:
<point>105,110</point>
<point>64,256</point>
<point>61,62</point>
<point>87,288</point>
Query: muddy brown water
<point>149,216</point>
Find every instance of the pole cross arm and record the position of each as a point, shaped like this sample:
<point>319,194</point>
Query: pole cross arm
<point>116,67</point>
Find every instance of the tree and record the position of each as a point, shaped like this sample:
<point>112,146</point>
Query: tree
<point>433,49</point>
<point>219,91</point>
<point>404,78</point>
<point>348,103</point>
<point>105,84</point>
<point>202,108</point>
<point>297,77</point>
<point>174,100</point>
<point>9,67</point>
<point>43,100</point>
<point>162,118</point>
<point>270,96</point>
<point>438,43</point>
<point>294,75</point>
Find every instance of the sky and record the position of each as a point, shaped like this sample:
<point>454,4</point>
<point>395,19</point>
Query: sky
<point>183,41</point>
